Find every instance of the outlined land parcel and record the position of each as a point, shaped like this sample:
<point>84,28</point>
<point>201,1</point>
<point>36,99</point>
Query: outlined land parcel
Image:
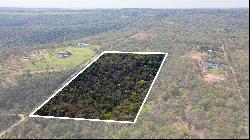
<point>112,88</point>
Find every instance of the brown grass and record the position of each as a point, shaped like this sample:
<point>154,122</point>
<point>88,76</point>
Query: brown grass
<point>212,78</point>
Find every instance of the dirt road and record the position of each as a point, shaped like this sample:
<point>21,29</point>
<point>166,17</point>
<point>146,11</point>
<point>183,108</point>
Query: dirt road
<point>13,126</point>
<point>237,87</point>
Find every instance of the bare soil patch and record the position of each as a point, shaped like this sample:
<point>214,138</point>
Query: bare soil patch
<point>212,78</point>
<point>196,58</point>
<point>142,36</point>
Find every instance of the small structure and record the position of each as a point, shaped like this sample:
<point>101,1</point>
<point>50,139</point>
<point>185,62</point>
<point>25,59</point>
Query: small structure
<point>26,56</point>
<point>228,29</point>
<point>210,51</point>
<point>82,45</point>
<point>211,65</point>
<point>64,54</point>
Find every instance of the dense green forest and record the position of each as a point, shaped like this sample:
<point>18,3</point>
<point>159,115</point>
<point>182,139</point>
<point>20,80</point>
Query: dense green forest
<point>112,88</point>
<point>181,104</point>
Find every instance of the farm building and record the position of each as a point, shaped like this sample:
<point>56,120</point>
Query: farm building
<point>64,54</point>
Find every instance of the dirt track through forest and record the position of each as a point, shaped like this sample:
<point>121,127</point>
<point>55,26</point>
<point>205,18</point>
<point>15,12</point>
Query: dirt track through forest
<point>237,87</point>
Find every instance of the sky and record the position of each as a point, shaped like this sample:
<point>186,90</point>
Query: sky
<point>92,4</point>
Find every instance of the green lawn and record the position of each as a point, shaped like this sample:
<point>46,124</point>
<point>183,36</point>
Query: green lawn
<point>50,60</point>
<point>216,71</point>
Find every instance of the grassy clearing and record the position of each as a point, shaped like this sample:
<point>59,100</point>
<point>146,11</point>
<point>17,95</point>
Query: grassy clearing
<point>216,71</point>
<point>49,60</point>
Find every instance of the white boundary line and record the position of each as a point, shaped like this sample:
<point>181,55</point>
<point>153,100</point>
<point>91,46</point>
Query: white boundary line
<point>166,54</point>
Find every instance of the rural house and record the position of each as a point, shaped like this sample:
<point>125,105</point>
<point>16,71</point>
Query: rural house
<point>64,54</point>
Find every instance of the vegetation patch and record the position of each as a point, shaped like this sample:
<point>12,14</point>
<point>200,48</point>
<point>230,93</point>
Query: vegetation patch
<point>7,120</point>
<point>216,71</point>
<point>112,88</point>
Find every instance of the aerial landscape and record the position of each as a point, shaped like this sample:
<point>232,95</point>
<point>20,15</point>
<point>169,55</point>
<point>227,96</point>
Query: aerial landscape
<point>202,90</point>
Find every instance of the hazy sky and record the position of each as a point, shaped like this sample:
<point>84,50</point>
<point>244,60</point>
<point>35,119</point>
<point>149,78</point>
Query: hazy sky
<point>126,3</point>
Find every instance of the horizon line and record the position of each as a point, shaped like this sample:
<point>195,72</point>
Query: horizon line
<point>77,8</point>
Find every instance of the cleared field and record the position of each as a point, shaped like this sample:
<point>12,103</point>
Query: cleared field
<point>42,61</point>
<point>50,60</point>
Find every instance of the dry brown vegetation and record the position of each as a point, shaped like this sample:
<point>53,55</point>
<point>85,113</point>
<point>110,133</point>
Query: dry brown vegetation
<point>142,36</point>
